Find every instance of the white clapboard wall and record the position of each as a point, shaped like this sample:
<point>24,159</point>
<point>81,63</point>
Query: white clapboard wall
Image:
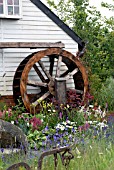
<point>34,26</point>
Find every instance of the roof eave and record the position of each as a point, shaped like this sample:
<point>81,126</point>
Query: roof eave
<point>59,22</point>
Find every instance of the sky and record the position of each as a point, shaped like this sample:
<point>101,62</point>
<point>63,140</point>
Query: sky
<point>97,3</point>
<point>104,11</point>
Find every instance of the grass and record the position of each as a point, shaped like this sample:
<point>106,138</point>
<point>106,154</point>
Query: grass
<point>94,155</point>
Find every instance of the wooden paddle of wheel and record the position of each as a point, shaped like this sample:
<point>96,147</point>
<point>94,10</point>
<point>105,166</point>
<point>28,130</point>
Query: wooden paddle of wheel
<point>45,69</point>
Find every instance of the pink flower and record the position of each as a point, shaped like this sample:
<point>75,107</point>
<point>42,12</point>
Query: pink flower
<point>9,112</point>
<point>84,127</point>
<point>80,128</point>
<point>20,116</point>
<point>1,114</point>
<point>36,122</point>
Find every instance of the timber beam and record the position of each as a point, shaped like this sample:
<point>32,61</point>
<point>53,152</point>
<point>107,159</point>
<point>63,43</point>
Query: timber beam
<point>31,44</point>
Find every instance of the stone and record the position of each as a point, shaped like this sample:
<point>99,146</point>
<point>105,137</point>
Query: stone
<point>12,136</point>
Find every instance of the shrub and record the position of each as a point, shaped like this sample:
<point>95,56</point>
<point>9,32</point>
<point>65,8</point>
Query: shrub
<point>106,94</point>
<point>95,85</point>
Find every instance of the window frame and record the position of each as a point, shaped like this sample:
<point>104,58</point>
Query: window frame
<point>5,11</point>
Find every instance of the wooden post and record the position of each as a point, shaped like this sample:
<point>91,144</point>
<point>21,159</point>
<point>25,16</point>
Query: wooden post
<point>60,90</point>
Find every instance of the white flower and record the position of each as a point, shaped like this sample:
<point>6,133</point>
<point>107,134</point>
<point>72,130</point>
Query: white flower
<point>68,121</point>
<point>42,120</point>
<point>82,109</point>
<point>78,157</point>
<point>62,127</point>
<point>68,106</point>
<point>91,106</point>
<point>90,122</point>
<point>107,150</point>
<point>104,114</point>
<point>69,126</point>
<point>90,147</point>
<point>77,151</point>
<point>28,124</point>
<point>64,123</point>
<point>88,113</point>
<point>73,123</point>
<point>101,125</point>
<point>94,121</point>
<point>105,121</point>
<point>12,122</point>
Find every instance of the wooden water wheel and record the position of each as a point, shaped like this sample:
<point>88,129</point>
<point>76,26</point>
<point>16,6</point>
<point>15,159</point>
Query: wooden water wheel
<point>36,75</point>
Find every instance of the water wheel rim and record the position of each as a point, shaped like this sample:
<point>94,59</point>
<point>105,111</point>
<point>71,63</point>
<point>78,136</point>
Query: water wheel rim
<point>35,58</point>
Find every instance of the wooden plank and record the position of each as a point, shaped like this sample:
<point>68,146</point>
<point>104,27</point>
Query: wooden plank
<point>31,44</point>
<point>39,72</point>
<point>51,64</point>
<point>71,73</point>
<point>41,98</point>
<point>44,69</point>
<point>58,66</point>
<point>35,84</point>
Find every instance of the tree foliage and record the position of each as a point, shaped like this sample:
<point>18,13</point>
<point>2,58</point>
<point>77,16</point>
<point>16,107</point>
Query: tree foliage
<point>93,28</point>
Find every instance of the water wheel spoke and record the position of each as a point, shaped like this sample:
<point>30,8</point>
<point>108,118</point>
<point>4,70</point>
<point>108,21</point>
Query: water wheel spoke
<point>69,75</point>
<point>65,73</point>
<point>58,66</point>
<point>79,91</point>
<point>44,69</point>
<point>44,96</point>
<point>39,72</point>
<point>35,83</point>
<point>51,60</point>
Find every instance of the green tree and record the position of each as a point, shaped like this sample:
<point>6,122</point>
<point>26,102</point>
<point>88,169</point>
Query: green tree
<point>89,24</point>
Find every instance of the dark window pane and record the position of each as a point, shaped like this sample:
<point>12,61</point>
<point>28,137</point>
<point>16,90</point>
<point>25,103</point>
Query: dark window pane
<point>16,2</point>
<point>10,10</point>
<point>16,10</point>
<point>10,2</point>
<point>1,9</point>
<point>1,1</point>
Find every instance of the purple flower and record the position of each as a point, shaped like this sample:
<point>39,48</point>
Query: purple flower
<point>54,137</point>
<point>60,115</point>
<point>46,128</point>
<point>2,150</point>
<point>73,130</point>
<point>106,106</point>
<point>16,122</point>
<point>64,141</point>
<point>67,119</point>
<point>3,158</point>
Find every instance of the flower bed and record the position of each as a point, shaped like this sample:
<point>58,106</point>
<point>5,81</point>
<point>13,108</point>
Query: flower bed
<point>68,127</point>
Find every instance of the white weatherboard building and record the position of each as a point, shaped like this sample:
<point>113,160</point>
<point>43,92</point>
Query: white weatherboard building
<point>28,21</point>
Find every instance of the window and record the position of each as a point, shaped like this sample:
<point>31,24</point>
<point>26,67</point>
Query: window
<point>10,8</point>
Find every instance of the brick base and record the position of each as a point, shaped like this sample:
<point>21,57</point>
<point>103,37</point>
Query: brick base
<point>8,100</point>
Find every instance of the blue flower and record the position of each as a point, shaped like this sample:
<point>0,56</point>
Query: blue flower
<point>46,128</point>
<point>54,137</point>
<point>3,158</point>
<point>2,150</point>
<point>73,130</point>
